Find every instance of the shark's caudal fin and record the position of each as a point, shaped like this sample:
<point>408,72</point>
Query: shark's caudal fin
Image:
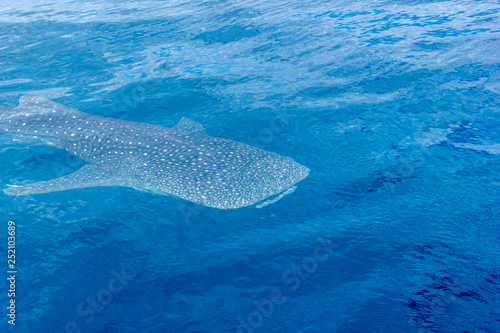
<point>32,113</point>
<point>87,176</point>
<point>34,104</point>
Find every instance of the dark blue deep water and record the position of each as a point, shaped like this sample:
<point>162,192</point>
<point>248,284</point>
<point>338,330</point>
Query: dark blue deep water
<point>392,105</point>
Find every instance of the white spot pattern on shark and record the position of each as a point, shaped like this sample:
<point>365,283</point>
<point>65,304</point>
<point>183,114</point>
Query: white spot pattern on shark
<point>182,161</point>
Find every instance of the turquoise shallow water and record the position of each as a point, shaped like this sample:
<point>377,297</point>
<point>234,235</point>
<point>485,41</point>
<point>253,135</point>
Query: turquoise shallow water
<point>393,106</point>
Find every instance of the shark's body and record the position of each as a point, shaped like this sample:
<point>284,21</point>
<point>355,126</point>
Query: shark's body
<point>182,161</point>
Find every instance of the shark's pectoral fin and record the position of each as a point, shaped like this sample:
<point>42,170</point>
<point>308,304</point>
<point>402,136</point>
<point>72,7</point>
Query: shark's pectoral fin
<point>87,176</point>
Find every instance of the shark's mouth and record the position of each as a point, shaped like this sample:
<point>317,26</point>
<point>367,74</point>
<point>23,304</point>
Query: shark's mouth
<point>276,197</point>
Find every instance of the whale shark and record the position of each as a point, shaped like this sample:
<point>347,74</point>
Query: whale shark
<point>181,161</point>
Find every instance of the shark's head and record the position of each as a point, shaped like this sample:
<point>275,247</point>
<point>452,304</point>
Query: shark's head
<point>273,175</point>
<point>244,187</point>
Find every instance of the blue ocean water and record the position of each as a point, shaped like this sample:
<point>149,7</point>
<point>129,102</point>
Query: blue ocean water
<point>392,105</point>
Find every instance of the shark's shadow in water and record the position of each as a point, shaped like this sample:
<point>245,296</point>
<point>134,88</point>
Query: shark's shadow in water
<point>182,161</point>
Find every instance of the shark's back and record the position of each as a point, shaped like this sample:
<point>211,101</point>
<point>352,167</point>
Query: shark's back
<point>212,171</point>
<point>87,136</point>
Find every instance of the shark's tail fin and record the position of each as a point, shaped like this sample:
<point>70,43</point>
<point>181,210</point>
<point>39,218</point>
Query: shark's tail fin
<point>35,105</point>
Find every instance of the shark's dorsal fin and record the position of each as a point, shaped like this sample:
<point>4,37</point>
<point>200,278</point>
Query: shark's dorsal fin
<point>189,126</point>
<point>89,175</point>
